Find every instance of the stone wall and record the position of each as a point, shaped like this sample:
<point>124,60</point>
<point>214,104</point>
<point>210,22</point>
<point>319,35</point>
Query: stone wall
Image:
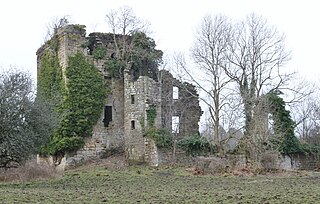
<point>139,96</point>
<point>129,99</point>
<point>186,106</point>
<point>304,162</point>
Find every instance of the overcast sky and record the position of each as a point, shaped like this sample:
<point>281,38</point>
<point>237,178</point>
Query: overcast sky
<point>173,22</point>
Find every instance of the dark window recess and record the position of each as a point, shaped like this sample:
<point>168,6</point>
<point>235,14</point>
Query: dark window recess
<point>133,125</point>
<point>107,115</point>
<point>132,99</point>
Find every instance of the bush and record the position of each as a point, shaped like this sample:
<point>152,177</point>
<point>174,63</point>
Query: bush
<point>114,67</point>
<point>196,145</point>
<point>59,145</point>
<point>162,137</point>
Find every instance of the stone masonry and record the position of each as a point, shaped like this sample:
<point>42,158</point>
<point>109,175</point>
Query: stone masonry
<point>123,121</point>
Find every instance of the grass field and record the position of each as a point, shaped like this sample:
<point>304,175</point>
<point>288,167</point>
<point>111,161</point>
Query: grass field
<point>161,185</point>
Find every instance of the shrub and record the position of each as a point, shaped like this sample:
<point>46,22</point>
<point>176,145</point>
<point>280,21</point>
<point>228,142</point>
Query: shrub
<point>99,53</point>
<point>196,145</point>
<point>162,137</point>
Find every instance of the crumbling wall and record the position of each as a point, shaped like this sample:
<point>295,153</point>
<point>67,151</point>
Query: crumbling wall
<point>140,95</point>
<point>68,41</point>
<point>107,138</point>
<point>184,104</point>
<point>123,122</point>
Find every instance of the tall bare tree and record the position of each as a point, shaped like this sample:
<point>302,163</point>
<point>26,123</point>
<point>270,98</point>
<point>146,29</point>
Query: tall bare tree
<point>208,53</point>
<point>256,54</point>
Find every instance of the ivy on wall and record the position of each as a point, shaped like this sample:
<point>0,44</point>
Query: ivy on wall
<point>84,98</point>
<point>81,105</point>
<point>50,84</point>
<point>115,67</point>
<point>285,140</point>
<point>151,115</point>
<point>99,53</point>
<point>162,137</point>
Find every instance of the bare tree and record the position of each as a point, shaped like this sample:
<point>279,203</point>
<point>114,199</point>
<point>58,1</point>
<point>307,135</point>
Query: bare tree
<point>306,114</point>
<point>125,23</point>
<point>54,25</point>
<point>135,52</point>
<point>208,53</point>
<point>256,54</point>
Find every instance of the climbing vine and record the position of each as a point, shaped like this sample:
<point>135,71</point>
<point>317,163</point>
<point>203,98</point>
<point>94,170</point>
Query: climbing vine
<point>85,96</point>
<point>99,53</point>
<point>284,140</point>
<point>81,106</point>
<point>50,84</point>
<point>151,116</point>
<point>162,137</point>
<point>114,67</point>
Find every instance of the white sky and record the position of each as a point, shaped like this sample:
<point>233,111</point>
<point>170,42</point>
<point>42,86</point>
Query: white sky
<point>173,22</point>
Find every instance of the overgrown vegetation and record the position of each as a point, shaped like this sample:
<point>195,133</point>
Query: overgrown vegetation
<point>146,58</point>
<point>138,55</point>
<point>195,145</point>
<point>284,139</point>
<point>99,53</point>
<point>151,116</point>
<point>162,137</point>
<point>29,172</point>
<point>114,67</point>
<point>79,109</point>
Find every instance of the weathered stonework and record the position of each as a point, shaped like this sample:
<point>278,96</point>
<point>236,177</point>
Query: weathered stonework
<point>185,106</point>
<point>128,101</point>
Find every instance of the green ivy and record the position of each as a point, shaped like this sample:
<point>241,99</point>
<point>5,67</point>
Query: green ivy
<point>151,116</point>
<point>59,145</point>
<point>195,145</point>
<point>285,140</point>
<point>84,98</point>
<point>99,53</point>
<point>162,137</point>
<point>114,67</point>
<point>80,105</point>
<point>50,84</point>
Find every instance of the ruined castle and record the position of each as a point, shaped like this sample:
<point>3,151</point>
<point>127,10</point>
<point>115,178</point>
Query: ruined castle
<point>122,124</point>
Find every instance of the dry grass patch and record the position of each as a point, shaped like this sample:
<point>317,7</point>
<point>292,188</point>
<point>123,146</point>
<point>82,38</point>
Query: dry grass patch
<point>29,172</point>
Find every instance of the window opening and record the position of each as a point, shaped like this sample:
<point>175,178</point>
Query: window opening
<point>175,124</point>
<point>132,99</point>
<point>107,115</point>
<point>175,93</point>
<point>133,125</point>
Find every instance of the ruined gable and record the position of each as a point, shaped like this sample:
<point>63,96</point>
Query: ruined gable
<point>180,102</point>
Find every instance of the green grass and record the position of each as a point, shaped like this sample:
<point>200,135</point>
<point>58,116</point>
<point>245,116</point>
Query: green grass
<point>161,185</point>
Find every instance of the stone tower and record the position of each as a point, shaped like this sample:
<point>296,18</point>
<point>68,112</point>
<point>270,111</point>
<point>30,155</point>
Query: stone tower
<point>124,119</point>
